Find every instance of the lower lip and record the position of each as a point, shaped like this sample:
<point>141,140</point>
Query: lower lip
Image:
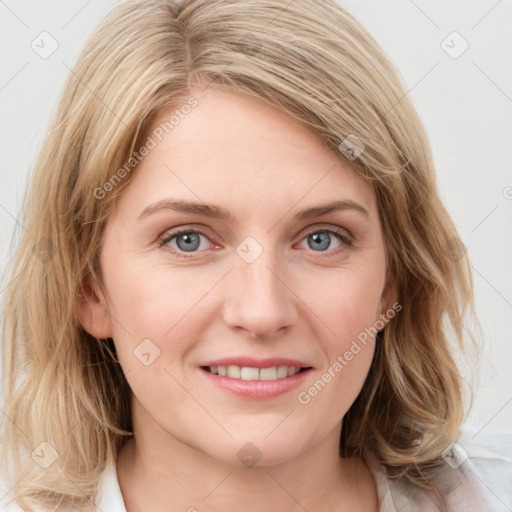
<point>259,389</point>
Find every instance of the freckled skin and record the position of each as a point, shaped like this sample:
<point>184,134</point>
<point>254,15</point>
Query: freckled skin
<point>302,302</point>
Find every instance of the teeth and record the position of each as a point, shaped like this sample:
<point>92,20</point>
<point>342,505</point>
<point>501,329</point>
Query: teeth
<point>248,373</point>
<point>233,371</point>
<point>282,371</point>
<point>268,373</point>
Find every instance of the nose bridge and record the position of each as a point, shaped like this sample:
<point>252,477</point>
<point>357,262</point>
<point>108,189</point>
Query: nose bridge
<point>258,299</point>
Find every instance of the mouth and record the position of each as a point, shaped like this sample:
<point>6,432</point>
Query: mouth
<point>271,373</point>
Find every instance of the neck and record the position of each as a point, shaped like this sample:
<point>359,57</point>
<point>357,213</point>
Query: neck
<point>159,472</point>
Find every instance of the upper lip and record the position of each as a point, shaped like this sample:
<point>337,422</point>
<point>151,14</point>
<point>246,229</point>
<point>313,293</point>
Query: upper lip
<point>257,363</point>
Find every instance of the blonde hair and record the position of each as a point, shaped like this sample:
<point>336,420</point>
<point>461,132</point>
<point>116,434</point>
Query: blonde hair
<point>311,60</point>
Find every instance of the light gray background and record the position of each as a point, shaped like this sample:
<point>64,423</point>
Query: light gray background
<point>465,102</point>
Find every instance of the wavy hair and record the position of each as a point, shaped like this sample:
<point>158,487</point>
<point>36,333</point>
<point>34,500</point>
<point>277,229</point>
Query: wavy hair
<point>309,59</point>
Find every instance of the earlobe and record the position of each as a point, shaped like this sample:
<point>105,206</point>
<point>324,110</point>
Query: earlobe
<point>92,311</point>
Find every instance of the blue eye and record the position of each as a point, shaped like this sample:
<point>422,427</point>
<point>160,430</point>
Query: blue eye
<point>320,239</point>
<point>186,240</point>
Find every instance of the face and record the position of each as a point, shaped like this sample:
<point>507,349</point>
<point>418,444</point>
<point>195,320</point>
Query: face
<point>273,282</point>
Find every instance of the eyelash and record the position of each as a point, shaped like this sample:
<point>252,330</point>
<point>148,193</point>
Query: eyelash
<point>346,240</point>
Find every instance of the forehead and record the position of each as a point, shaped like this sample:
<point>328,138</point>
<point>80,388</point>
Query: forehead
<point>240,151</point>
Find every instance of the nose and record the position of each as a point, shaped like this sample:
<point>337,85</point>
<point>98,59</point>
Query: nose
<point>259,297</point>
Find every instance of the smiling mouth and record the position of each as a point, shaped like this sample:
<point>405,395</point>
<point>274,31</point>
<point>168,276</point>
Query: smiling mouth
<point>252,373</point>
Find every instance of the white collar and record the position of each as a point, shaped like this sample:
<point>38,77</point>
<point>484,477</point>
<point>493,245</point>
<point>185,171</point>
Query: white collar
<point>109,495</point>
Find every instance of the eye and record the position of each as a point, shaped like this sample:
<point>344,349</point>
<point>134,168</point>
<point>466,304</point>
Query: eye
<point>184,240</point>
<point>320,240</point>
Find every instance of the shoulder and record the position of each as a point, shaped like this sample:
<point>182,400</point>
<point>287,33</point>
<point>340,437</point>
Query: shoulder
<point>458,482</point>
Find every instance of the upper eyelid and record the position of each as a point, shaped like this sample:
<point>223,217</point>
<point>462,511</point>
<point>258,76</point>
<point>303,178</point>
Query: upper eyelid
<point>173,232</point>
<point>327,227</point>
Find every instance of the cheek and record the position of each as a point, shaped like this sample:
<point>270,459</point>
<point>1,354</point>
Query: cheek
<point>348,349</point>
<point>151,299</point>
<point>350,303</point>
<point>158,304</point>
<point>350,309</point>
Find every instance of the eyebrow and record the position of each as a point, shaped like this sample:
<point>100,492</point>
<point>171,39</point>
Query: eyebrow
<point>220,213</point>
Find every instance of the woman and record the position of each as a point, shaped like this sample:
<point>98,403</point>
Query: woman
<point>237,277</point>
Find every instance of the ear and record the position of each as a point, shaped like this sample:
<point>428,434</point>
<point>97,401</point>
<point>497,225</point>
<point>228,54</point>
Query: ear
<point>91,310</point>
<point>389,300</point>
